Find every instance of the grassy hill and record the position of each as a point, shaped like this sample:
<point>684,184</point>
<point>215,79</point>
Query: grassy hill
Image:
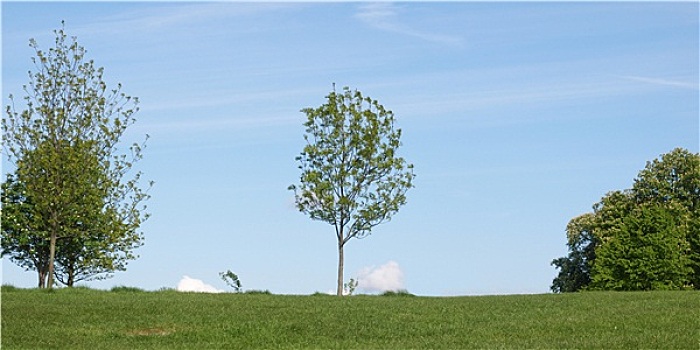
<point>127,319</point>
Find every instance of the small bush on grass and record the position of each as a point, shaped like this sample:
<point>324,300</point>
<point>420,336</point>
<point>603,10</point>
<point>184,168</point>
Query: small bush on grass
<point>259,292</point>
<point>398,293</point>
<point>125,289</point>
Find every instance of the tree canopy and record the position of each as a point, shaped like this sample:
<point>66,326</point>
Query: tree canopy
<point>643,238</point>
<point>72,205</point>
<point>351,175</point>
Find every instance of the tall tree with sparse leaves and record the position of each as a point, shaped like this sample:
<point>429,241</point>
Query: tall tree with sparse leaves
<point>351,174</point>
<point>75,206</point>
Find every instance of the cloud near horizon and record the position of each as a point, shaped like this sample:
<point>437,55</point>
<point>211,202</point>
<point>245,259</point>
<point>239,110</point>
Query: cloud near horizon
<point>381,279</point>
<point>188,284</point>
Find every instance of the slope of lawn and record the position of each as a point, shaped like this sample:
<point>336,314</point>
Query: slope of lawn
<point>81,318</point>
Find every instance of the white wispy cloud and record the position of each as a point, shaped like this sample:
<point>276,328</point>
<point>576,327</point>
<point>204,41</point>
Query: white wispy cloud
<point>188,284</point>
<point>173,16</point>
<point>215,124</point>
<point>382,278</point>
<point>664,81</point>
<point>178,101</point>
<point>223,101</point>
<point>385,16</point>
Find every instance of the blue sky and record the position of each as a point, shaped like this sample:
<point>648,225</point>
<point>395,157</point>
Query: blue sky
<point>517,117</point>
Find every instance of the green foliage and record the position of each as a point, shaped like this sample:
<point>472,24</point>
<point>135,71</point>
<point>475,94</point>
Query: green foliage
<point>349,287</point>
<point>85,319</point>
<point>231,279</point>
<point>648,251</point>
<point>644,238</point>
<point>23,239</point>
<point>675,178</point>
<point>258,292</point>
<point>351,175</point>
<point>398,293</point>
<point>574,269</point>
<point>74,213</point>
<point>125,289</point>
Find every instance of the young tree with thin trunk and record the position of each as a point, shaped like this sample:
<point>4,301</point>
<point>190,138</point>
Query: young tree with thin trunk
<point>351,175</point>
<point>80,205</point>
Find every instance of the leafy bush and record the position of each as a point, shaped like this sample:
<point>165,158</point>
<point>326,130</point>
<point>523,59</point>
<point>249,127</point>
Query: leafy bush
<point>258,292</point>
<point>125,289</point>
<point>398,293</point>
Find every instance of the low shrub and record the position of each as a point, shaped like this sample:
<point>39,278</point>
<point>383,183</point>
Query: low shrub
<point>398,293</point>
<point>253,291</point>
<point>125,289</point>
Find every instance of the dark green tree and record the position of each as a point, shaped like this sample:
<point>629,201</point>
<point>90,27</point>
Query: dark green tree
<point>642,238</point>
<point>351,175</point>
<point>647,251</point>
<point>84,205</point>
<point>575,269</point>
<point>675,178</point>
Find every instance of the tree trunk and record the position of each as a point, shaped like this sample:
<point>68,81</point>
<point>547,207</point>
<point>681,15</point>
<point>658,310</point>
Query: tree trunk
<point>42,277</point>
<point>71,275</point>
<point>339,291</point>
<point>52,255</point>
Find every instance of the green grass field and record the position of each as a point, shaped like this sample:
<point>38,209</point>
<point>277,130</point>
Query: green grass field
<point>89,319</point>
